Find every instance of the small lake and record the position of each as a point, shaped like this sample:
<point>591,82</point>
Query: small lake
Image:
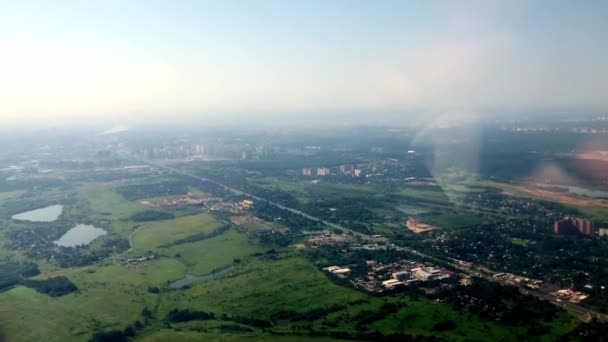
<point>190,279</point>
<point>47,214</point>
<point>576,190</point>
<point>80,235</point>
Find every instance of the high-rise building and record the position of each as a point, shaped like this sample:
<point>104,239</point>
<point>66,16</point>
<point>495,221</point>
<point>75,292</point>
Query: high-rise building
<point>323,171</point>
<point>585,227</point>
<point>346,169</point>
<point>573,225</point>
<point>307,171</point>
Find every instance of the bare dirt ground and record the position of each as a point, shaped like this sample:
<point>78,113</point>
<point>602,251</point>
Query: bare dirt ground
<point>562,197</point>
<point>418,227</point>
<point>594,155</point>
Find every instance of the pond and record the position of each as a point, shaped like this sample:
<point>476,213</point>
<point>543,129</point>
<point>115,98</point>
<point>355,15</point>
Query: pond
<point>81,234</point>
<point>47,214</point>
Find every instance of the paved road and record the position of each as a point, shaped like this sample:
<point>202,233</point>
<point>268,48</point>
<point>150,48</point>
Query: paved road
<point>582,311</point>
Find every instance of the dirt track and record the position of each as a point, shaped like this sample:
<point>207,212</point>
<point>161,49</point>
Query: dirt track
<point>562,197</point>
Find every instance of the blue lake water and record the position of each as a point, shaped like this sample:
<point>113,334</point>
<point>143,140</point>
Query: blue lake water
<point>80,235</point>
<point>47,214</point>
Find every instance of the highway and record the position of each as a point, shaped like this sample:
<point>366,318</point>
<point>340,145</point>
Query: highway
<point>581,312</point>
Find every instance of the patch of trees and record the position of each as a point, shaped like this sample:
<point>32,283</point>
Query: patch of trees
<point>110,336</point>
<point>42,238</point>
<point>152,215</point>
<point>445,325</point>
<point>154,290</point>
<point>311,315</point>
<point>254,322</point>
<point>13,273</point>
<point>176,315</point>
<point>30,183</point>
<point>116,243</point>
<point>593,331</point>
<point>295,222</point>
<point>187,315</point>
<point>234,328</point>
<point>54,287</point>
<point>503,303</point>
<point>198,237</point>
<point>366,317</point>
<point>125,335</point>
<point>343,211</point>
<point>140,191</point>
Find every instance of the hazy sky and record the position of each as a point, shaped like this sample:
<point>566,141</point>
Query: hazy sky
<point>120,60</point>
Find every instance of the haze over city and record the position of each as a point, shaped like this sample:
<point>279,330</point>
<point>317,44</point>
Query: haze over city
<point>116,62</point>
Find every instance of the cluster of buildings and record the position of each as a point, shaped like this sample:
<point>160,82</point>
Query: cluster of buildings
<point>137,263</point>
<point>338,270</point>
<point>420,273</point>
<point>347,169</point>
<point>569,296</point>
<point>512,279</point>
<point>182,149</point>
<point>327,238</point>
<point>219,204</point>
<point>351,170</point>
<point>175,201</point>
<point>381,277</point>
<point>244,219</point>
<point>211,203</point>
<point>318,171</point>
<point>571,225</point>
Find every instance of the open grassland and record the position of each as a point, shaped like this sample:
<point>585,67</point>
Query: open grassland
<point>27,315</point>
<point>10,194</point>
<point>266,283</point>
<point>206,255</point>
<point>167,335</point>
<point>154,234</point>
<point>420,317</point>
<point>110,296</point>
<point>263,288</point>
<point>105,201</point>
<point>307,192</point>
<point>155,273</point>
<point>594,213</point>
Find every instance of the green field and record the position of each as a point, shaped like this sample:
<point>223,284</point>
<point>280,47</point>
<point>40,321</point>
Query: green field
<point>154,234</point>
<point>10,194</point>
<point>186,336</point>
<point>204,256</point>
<point>267,282</point>
<point>105,201</point>
<point>265,287</point>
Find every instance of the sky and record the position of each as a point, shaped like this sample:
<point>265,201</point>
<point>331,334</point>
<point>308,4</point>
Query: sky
<point>118,61</point>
